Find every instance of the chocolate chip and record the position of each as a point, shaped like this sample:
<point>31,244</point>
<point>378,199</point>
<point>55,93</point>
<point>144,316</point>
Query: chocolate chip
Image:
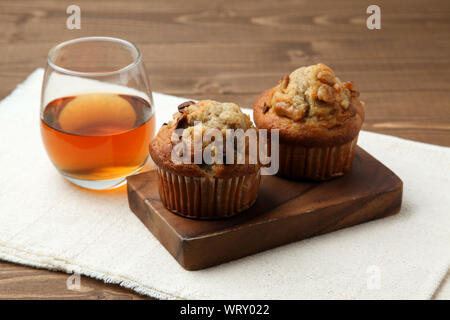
<point>165,124</point>
<point>265,108</point>
<point>184,105</point>
<point>181,121</point>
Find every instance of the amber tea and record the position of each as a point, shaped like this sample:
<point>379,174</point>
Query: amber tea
<point>98,136</point>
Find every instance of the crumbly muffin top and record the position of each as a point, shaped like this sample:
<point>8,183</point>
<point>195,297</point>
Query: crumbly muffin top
<point>212,114</point>
<point>313,94</point>
<point>192,121</point>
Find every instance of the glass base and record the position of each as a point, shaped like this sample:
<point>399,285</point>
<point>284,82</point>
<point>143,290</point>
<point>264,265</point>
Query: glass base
<point>98,184</point>
<point>102,184</point>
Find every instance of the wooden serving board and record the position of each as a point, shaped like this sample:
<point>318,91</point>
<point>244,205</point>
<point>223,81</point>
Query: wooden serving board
<point>285,211</point>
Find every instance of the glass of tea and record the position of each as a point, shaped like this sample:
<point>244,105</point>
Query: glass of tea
<point>96,111</point>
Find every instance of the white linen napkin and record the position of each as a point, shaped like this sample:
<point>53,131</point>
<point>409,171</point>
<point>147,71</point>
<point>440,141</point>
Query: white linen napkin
<point>47,222</point>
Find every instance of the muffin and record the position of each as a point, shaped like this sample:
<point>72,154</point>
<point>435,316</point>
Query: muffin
<point>318,117</point>
<point>189,184</point>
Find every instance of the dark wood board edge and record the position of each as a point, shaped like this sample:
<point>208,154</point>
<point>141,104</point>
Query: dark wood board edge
<point>272,234</point>
<point>186,250</point>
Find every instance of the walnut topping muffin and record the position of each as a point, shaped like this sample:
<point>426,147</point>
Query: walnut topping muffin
<point>313,94</point>
<point>319,118</point>
<point>204,190</point>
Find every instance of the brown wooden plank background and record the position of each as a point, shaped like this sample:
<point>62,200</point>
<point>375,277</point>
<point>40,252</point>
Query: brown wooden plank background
<point>232,50</point>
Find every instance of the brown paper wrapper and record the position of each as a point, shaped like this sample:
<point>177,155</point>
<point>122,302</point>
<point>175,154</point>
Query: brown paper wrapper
<point>207,197</point>
<point>317,163</point>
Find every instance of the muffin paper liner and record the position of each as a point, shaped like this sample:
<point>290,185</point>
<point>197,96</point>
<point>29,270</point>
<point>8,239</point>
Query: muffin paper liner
<point>207,197</point>
<point>317,163</point>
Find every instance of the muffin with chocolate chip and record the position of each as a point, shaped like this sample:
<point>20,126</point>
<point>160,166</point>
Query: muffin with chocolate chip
<point>200,175</point>
<point>318,117</point>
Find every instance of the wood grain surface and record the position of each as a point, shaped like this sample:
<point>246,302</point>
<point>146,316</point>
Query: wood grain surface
<point>231,50</point>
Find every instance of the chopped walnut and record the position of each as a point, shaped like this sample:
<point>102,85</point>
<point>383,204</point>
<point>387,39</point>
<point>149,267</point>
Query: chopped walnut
<point>345,104</point>
<point>349,85</point>
<point>327,77</point>
<point>326,93</point>
<point>337,88</point>
<point>284,109</point>
<point>284,82</point>
<point>355,94</point>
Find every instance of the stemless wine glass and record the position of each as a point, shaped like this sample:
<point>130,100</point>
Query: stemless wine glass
<point>96,111</point>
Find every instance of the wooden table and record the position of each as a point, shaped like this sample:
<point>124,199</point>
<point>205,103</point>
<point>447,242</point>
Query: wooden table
<point>230,51</point>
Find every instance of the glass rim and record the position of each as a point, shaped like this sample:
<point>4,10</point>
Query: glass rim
<point>127,67</point>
